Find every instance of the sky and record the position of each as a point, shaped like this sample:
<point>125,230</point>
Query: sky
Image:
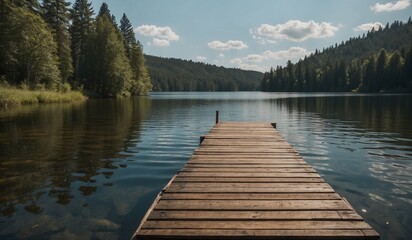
<point>250,34</point>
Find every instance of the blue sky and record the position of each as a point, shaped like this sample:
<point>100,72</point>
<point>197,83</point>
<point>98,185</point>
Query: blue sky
<point>253,34</point>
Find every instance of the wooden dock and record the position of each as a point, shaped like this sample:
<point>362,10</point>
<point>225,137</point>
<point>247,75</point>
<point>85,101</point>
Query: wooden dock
<point>246,182</point>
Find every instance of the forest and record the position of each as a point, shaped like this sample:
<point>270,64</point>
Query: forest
<point>171,74</point>
<point>59,46</point>
<point>379,61</point>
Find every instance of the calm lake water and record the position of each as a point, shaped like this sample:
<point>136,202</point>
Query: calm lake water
<point>91,170</point>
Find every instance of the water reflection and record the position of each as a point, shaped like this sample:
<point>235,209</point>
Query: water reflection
<point>90,171</point>
<point>46,149</point>
<point>378,113</point>
<point>362,146</point>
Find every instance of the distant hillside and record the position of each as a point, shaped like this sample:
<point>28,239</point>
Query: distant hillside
<point>379,61</point>
<point>170,74</point>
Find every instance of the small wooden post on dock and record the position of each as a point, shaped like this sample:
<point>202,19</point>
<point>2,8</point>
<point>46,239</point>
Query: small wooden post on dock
<point>217,117</point>
<point>246,182</point>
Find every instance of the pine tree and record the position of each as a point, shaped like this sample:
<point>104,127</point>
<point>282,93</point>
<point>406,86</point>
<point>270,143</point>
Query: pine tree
<point>381,82</point>
<point>109,72</point>
<point>291,75</point>
<point>32,5</point>
<point>395,70</point>
<point>129,37</point>
<point>82,24</point>
<point>342,76</point>
<point>56,14</point>
<point>369,75</point>
<point>104,10</point>
<point>407,69</point>
<point>141,83</point>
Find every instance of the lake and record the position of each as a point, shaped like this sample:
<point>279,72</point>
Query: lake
<point>91,170</point>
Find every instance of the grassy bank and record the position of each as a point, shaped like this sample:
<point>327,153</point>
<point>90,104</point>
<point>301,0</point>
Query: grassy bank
<point>10,96</point>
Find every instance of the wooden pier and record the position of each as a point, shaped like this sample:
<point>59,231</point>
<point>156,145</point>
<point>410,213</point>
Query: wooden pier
<point>246,182</point>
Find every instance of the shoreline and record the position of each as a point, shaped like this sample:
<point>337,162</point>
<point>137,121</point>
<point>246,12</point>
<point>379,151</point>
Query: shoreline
<point>10,97</point>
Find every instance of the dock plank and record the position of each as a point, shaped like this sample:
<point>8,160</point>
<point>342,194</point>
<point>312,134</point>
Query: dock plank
<point>245,181</point>
<point>251,196</point>
<point>252,215</point>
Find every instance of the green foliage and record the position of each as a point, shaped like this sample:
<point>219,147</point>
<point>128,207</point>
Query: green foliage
<point>56,14</point>
<point>104,11</point>
<point>374,63</point>
<point>10,96</point>
<point>82,24</point>
<point>110,74</point>
<point>141,82</point>
<point>28,48</point>
<point>53,47</point>
<point>170,74</point>
<point>127,31</point>
<point>32,5</point>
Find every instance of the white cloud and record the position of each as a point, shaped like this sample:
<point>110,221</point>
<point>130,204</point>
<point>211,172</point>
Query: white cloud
<point>391,6</point>
<point>231,44</point>
<point>221,55</point>
<point>201,58</point>
<point>160,42</point>
<point>247,66</point>
<point>249,62</point>
<point>255,58</point>
<point>295,30</point>
<point>368,26</point>
<point>293,53</point>
<point>236,61</point>
<point>161,35</point>
<point>158,32</point>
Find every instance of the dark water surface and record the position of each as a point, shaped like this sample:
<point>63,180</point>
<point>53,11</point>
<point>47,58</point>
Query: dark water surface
<point>91,170</point>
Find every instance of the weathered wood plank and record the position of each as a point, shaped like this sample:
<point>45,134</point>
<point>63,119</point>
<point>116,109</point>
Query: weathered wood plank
<point>250,157</point>
<point>252,196</point>
<point>241,142</point>
<point>284,151</point>
<point>234,234</point>
<point>249,180</point>
<point>250,215</point>
<point>247,175</point>
<point>303,225</point>
<point>302,189</point>
<point>255,205</point>
<point>212,185</point>
<point>251,165</point>
<point>250,170</point>
<point>245,181</point>
<point>235,163</point>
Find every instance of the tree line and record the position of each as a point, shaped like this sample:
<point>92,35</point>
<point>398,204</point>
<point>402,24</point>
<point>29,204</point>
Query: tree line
<point>171,74</point>
<point>379,61</point>
<point>53,45</point>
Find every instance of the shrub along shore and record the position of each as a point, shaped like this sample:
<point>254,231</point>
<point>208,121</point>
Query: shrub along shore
<point>12,96</point>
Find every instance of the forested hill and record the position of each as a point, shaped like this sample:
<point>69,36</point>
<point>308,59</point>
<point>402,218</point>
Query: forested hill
<point>171,74</point>
<point>379,61</point>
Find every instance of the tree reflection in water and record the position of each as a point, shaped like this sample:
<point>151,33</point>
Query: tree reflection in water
<point>47,148</point>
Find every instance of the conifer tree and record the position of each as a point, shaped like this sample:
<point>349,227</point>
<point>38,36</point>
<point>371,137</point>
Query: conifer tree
<point>141,83</point>
<point>395,70</point>
<point>407,69</point>
<point>56,14</point>
<point>82,24</point>
<point>109,72</point>
<point>104,10</point>
<point>380,80</point>
<point>32,5</point>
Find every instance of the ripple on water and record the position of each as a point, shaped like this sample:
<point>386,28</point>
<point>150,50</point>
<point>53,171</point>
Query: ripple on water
<point>97,167</point>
